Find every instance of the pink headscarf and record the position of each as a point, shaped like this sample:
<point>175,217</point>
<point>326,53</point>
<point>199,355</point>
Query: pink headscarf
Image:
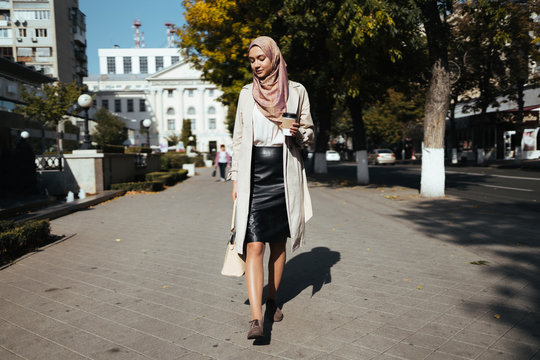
<point>272,92</point>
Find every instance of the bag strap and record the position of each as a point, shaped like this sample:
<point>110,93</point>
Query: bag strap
<point>233,216</point>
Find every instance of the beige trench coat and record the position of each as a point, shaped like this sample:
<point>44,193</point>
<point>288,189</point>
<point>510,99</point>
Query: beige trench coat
<point>297,197</point>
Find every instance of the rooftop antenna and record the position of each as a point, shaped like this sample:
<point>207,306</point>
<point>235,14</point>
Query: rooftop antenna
<point>137,38</point>
<point>170,35</point>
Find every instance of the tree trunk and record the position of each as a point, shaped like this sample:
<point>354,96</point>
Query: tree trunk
<point>452,134</point>
<point>437,103</point>
<point>359,141</point>
<point>323,109</point>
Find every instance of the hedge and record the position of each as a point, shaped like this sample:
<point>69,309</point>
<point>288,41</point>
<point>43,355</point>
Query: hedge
<point>17,239</point>
<point>138,150</point>
<point>154,181</point>
<point>173,160</point>
<point>115,149</point>
<point>156,185</point>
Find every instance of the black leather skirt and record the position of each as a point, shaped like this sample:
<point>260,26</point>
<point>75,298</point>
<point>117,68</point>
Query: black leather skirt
<point>267,220</point>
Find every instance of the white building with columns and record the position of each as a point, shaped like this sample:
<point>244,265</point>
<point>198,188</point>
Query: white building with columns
<point>156,84</point>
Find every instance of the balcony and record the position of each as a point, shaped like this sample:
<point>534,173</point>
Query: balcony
<point>4,4</point>
<point>79,38</point>
<point>4,22</point>
<point>6,41</point>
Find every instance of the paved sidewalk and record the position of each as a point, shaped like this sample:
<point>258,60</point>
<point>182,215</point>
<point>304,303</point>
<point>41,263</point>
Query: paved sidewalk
<point>384,275</point>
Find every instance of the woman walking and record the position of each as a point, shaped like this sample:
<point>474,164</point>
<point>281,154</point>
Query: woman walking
<point>269,181</point>
<point>223,159</point>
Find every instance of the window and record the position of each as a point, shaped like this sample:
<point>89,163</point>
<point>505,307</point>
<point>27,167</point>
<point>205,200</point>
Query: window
<point>142,105</point>
<point>127,65</point>
<point>170,124</point>
<point>22,32</point>
<point>43,52</point>
<point>22,15</point>
<point>211,110</point>
<point>94,103</point>
<point>6,51</point>
<point>41,32</point>
<point>211,92</point>
<point>170,93</point>
<point>130,105</point>
<point>211,124</point>
<point>105,104</point>
<point>159,63</point>
<point>170,111</point>
<point>111,65</point>
<point>117,105</point>
<point>5,33</point>
<point>191,110</point>
<point>191,93</point>
<point>175,59</point>
<point>143,65</point>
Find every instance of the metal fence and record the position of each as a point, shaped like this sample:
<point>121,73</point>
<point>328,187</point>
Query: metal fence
<point>49,162</point>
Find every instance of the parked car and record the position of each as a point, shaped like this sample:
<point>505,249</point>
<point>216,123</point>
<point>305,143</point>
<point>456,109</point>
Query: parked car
<point>332,155</point>
<point>382,156</point>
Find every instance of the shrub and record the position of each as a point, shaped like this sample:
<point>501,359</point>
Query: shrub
<point>17,239</point>
<point>138,150</point>
<point>155,185</point>
<point>176,160</point>
<point>115,149</point>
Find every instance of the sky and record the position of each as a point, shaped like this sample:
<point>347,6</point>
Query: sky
<point>110,22</point>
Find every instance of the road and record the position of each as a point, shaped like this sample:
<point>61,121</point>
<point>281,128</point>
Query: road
<point>505,186</point>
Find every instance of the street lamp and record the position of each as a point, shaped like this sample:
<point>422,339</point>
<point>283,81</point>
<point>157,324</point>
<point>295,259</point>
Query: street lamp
<point>85,101</point>
<point>147,123</point>
<point>25,134</point>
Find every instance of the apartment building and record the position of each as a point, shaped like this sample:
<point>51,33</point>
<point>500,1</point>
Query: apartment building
<point>49,35</point>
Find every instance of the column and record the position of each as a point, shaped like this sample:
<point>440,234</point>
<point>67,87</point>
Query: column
<point>180,114</point>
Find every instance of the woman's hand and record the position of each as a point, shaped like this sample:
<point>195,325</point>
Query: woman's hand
<point>294,129</point>
<point>234,190</point>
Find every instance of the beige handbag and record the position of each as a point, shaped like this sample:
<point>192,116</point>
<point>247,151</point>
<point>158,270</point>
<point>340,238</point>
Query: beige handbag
<point>234,264</point>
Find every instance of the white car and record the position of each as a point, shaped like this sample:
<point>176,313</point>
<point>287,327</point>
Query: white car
<point>332,155</point>
<point>382,156</point>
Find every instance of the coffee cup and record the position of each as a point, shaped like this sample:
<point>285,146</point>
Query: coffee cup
<point>287,120</point>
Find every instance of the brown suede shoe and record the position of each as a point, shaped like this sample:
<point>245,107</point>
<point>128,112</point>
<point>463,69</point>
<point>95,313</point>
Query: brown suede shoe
<point>256,330</point>
<point>273,311</point>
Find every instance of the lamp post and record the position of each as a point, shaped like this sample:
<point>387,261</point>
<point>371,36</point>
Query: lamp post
<point>146,123</point>
<point>85,101</point>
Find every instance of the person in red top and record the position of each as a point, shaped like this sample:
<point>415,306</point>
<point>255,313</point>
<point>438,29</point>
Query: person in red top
<point>223,159</point>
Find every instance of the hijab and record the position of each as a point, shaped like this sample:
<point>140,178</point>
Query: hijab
<point>272,92</point>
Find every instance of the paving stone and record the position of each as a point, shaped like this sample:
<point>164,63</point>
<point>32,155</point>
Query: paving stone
<point>462,349</point>
<point>150,295</point>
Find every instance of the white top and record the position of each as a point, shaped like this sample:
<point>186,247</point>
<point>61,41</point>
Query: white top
<point>265,132</point>
<point>222,157</point>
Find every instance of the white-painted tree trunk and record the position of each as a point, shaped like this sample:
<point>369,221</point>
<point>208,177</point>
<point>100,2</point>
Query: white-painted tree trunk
<point>432,183</point>
<point>319,163</point>
<point>480,156</point>
<point>362,171</point>
<point>454,156</point>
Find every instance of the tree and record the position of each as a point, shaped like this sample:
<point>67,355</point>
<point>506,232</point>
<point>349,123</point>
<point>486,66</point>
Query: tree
<point>174,139</point>
<point>186,132</point>
<point>110,130</point>
<point>49,104</point>
<point>437,97</point>
<point>387,120</point>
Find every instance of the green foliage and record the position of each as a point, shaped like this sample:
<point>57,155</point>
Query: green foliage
<point>387,121</point>
<point>156,185</point>
<point>173,160</point>
<point>49,105</point>
<point>114,149</point>
<point>138,150</point>
<point>174,139</point>
<point>109,130</point>
<point>186,132</point>
<point>17,239</point>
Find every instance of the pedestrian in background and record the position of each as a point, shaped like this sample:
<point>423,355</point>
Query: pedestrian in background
<point>269,181</point>
<point>223,159</point>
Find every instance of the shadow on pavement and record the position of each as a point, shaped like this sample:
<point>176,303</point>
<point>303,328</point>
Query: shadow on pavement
<point>506,239</point>
<point>302,271</point>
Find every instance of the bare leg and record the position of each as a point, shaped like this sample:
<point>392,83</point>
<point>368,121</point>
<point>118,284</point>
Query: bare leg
<point>255,277</point>
<point>276,264</point>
